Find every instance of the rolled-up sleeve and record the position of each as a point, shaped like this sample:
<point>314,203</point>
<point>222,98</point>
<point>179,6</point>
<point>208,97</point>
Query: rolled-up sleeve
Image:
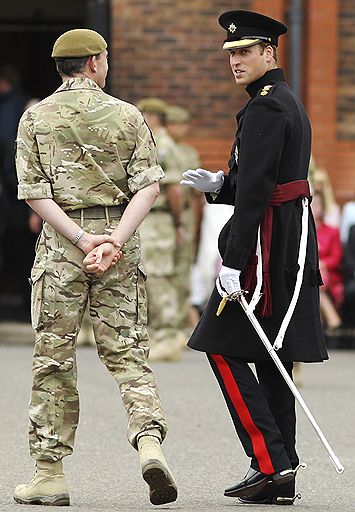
<point>143,169</point>
<point>33,183</point>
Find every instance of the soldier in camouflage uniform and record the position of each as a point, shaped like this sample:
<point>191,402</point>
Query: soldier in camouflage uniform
<point>178,126</point>
<point>161,234</point>
<point>87,165</point>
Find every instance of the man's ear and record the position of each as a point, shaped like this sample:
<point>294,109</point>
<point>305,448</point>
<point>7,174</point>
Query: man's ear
<point>269,53</point>
<point>92,63</point>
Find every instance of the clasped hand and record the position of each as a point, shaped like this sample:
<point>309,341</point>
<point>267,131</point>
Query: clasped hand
<point>101,258</point>
<point>102,252</point>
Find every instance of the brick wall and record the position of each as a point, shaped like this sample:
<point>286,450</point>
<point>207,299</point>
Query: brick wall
<point>346,71</point>
<point>321,72</point>
<point>330,90</point>
<point>276,9</point>
<point>344,155</point>
<point>172,49</point>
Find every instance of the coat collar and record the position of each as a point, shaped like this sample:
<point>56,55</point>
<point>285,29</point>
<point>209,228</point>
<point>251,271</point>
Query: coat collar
<point>270,77</point>
<point>78,83</point>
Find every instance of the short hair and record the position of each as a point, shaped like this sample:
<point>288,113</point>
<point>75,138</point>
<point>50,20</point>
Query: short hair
<point>264,45</point>
<point>69,65</point>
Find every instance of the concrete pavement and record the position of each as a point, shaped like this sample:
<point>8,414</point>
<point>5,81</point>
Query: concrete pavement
<point>201,447</point>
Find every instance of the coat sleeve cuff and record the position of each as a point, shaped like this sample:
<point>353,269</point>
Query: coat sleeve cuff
<point>235,255</point>
<point>224,196</point>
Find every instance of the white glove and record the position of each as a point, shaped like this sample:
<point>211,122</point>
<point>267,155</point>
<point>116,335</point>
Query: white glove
<point>229,279</point>
<point>203,180</point>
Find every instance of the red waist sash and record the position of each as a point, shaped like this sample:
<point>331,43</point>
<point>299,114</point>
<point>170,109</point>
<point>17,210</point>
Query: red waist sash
<point>281,194</point>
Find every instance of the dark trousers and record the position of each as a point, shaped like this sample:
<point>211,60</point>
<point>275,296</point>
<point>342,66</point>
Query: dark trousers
<point>262,410</point>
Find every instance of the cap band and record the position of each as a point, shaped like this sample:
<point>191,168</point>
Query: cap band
<point>246,41</point>
<point>262,38</point>
<point>242,43</point>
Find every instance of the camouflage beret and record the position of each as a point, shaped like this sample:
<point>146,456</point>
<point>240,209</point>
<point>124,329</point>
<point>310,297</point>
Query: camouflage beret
<point>176,114</point>
<point>152,106</point>
<point>79,42</point>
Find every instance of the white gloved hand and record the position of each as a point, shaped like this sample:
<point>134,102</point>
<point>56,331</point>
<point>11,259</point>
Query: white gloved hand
<point>203,180</point>
<point>229,279</point>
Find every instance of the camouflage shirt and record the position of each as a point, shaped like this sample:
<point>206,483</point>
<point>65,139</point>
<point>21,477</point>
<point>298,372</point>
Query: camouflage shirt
<point>167,156</point>
<point>82,147</point>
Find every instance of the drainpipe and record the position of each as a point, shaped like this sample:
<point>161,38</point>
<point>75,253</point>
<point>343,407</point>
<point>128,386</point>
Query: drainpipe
<point>98,17</point>
<point>295,44</point>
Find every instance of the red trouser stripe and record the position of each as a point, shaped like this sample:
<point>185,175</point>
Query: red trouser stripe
<point>257,438</point>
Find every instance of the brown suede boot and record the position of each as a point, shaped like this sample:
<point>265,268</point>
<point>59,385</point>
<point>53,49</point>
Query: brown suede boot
<point>47,487</point>
<point>155,471</point>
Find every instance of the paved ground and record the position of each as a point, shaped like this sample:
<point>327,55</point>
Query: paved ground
<point>201,446</point>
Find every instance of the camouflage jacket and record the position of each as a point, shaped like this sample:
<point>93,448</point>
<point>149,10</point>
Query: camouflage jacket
<point>82,147</point>
<point>168,159</point>
<point>188,157</point>
<point>167,156</point>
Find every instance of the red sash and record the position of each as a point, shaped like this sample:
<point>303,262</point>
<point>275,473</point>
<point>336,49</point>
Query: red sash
<point>281,194</point>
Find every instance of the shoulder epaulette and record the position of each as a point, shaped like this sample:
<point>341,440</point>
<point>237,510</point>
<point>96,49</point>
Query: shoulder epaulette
<point>265,90</point>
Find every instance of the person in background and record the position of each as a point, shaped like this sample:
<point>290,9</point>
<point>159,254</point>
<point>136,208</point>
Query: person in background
<point>17,240</point>
<point>348,308</point>
<point>330,259</point>
<point>321,183</point>
<point>178,124</point>
<point>162,232</point>
<point>347,220</point>
<point>208,261</point>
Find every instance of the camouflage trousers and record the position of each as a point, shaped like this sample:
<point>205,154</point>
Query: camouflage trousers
<point>183,264</point>
<point>159,258</point>
<point>117,301</point>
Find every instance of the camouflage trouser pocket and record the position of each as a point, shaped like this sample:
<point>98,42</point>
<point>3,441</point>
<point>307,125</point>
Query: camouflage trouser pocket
<point>142,309</point>
<point>36,280</point>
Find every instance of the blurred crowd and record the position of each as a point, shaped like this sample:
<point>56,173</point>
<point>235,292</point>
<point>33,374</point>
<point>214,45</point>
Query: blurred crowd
<point>179,236</point>
<point>336,244</point>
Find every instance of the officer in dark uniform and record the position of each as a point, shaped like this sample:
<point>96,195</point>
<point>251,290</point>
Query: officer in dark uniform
<point>267,183</point>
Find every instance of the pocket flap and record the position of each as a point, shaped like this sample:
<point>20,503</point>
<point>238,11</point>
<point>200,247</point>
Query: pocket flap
<point>142,270</point>
<point>36,274</point>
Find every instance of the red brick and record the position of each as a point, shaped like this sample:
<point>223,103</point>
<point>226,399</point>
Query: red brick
<point>173,50</point>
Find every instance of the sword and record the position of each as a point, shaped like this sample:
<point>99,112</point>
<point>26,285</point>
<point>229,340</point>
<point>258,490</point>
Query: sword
<point>239,296</point>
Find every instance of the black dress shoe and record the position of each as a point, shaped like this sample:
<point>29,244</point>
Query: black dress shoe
<point>260,498</point>
<point>254,482</point>
<point>274,495</point>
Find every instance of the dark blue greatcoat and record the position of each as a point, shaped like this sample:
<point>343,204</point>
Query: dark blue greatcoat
<point>273,143</point>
